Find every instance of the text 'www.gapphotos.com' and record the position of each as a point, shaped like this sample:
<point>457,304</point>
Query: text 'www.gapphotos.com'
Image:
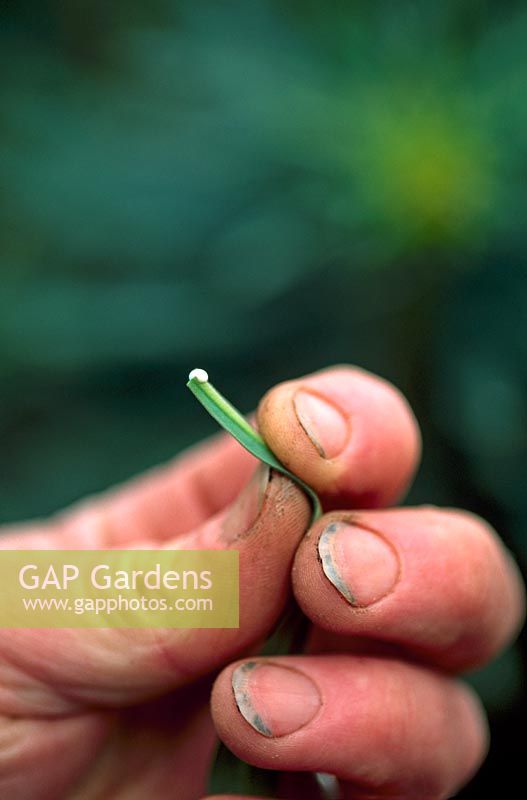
<point>119,604</point>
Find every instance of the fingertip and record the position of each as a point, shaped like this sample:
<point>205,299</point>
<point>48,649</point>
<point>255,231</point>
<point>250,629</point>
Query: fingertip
<point>222,705</point>
<point>401,728</point>
<point>436,583</point>
<point>477,727</point>
<point>349,434</point>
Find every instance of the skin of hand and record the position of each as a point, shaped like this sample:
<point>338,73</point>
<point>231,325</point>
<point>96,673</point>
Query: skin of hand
<point>401,601</point>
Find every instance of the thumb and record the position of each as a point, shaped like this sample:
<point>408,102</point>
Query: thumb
<point>55,671</point>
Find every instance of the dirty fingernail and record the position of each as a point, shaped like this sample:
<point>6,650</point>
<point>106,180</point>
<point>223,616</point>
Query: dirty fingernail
<point>324,423</point>
<point>360,563</point>
<point>275,700</point>
<point>247,507</point>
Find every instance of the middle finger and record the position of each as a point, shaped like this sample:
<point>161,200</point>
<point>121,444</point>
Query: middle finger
<point>439,583</point>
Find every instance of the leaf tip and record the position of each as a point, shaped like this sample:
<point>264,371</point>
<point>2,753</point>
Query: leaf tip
<point>199,375</point>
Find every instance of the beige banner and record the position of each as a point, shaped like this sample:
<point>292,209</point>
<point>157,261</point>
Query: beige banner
<point>119,589</point>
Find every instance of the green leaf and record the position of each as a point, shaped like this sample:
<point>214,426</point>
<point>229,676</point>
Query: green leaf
<point>235,423</point>
<point>228,773</point>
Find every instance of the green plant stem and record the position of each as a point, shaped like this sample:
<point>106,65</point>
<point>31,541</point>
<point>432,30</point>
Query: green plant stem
<point>228,773</point>
<point>236,424</point>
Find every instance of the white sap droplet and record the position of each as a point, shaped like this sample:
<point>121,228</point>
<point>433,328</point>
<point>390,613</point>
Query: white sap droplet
<point>199,375</point>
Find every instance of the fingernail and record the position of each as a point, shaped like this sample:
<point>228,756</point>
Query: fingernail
<point>275,700</point>
<point>324,423</point>
<point>247,507</point>
<point>361,564</point>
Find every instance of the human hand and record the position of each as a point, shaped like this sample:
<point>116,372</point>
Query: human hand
<point>399,603</point>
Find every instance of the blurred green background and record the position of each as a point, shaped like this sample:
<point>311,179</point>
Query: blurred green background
<point>262,189</point>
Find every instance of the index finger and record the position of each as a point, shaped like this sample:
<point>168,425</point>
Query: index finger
<point>347,433</point>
